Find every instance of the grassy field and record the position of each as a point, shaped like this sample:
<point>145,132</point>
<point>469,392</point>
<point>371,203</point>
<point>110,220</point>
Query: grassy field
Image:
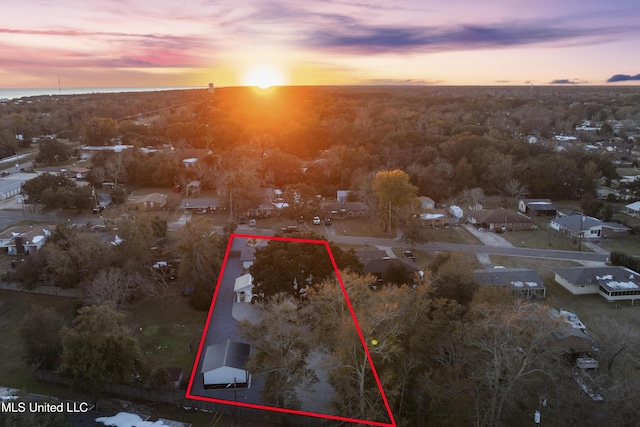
<point>13,307</point>
<point>168,331</point>
<point>452,235</point>
<point>629,244</point>
<point>164,330</point>
<point>543,238</point>
<point>362,227</point>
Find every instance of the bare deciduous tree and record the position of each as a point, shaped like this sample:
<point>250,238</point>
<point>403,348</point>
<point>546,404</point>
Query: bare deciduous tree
<point>516,189</point>
<point>282,351</point>
<point>512,348</point>
<point>113,285</point>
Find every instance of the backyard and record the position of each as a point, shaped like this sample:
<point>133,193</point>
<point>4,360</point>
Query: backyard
<point>591,309</point>
<point>167,330</point>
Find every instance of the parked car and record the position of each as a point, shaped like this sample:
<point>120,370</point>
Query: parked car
<point>252,223</point>
<point>242,220</point>
<point>316,220</point>
<point>327,221</point>
<point>290,229</point>
<point>409,254</point>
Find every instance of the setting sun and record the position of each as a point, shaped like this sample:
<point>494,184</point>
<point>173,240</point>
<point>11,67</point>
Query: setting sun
<point>263,77</point>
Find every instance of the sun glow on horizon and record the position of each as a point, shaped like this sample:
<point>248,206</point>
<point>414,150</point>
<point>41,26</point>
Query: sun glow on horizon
<point>264,77</point>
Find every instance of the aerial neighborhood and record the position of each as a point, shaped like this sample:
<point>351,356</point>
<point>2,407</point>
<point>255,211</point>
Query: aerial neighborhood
<point>423,257</point>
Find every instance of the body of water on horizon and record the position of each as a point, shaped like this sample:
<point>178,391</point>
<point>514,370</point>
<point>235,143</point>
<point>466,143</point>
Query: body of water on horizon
<point>16,93</point>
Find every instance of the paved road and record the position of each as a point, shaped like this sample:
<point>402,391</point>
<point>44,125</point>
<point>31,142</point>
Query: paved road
<point>476,249</point>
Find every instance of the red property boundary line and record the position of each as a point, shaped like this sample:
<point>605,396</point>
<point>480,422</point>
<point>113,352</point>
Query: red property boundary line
<point>355,321</point>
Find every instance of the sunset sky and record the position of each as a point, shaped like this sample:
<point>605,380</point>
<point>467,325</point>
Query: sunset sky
<point>149,43</point>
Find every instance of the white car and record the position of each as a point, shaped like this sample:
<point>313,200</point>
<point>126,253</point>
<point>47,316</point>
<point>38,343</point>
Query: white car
<point>316,220</point>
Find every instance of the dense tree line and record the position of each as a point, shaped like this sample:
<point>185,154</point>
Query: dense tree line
<point>486,360</point>
<point>446,139</point>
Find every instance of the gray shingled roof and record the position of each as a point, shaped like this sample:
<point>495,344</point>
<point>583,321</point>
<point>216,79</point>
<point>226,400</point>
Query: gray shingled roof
<point>611,277</point>
<point>540,204</point>
<point>517,277</point>
<point>204,203</point>
<point>230,353</point>
<point>575,223</point>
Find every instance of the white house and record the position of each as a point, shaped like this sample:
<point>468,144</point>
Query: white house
<point>586,227</point>
<point>24,239</point>
<point>633,209</point>
<point>224,365</point>
<point>243,287</point>
<point>612,282</point>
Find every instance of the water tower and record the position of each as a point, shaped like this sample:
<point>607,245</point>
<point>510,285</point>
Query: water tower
<point>211,88</point>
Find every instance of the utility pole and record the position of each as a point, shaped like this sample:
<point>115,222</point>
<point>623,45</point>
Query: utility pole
<point>580,235</point>
<point>235,399</point>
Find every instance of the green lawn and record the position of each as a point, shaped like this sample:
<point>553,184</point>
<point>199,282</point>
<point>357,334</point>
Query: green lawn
<point>164,329</point>
<point>13,307</point>
<point>628,243</point>
<point>544,237</point>
<point>166,332</point>
<point>452,235</point>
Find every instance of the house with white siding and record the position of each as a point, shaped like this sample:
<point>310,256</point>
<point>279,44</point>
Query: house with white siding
<point>586,227</point>
<point>613,283</point>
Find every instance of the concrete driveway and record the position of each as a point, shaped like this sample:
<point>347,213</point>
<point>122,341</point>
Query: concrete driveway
<point>488,238</point>
<point>223,326</point>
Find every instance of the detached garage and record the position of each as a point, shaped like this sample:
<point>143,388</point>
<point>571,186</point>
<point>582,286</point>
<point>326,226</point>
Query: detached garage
<point>224,365</point>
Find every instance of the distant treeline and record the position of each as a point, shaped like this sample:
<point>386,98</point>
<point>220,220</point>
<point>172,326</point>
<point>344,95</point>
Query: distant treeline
<point>447,139</point>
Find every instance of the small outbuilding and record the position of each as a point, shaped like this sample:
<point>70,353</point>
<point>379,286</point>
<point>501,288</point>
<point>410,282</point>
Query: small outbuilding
<point>426,203</point>
<point>224,365</point>
<point>633,209</point>
<point>243,288</point>
<point>537,207</point>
